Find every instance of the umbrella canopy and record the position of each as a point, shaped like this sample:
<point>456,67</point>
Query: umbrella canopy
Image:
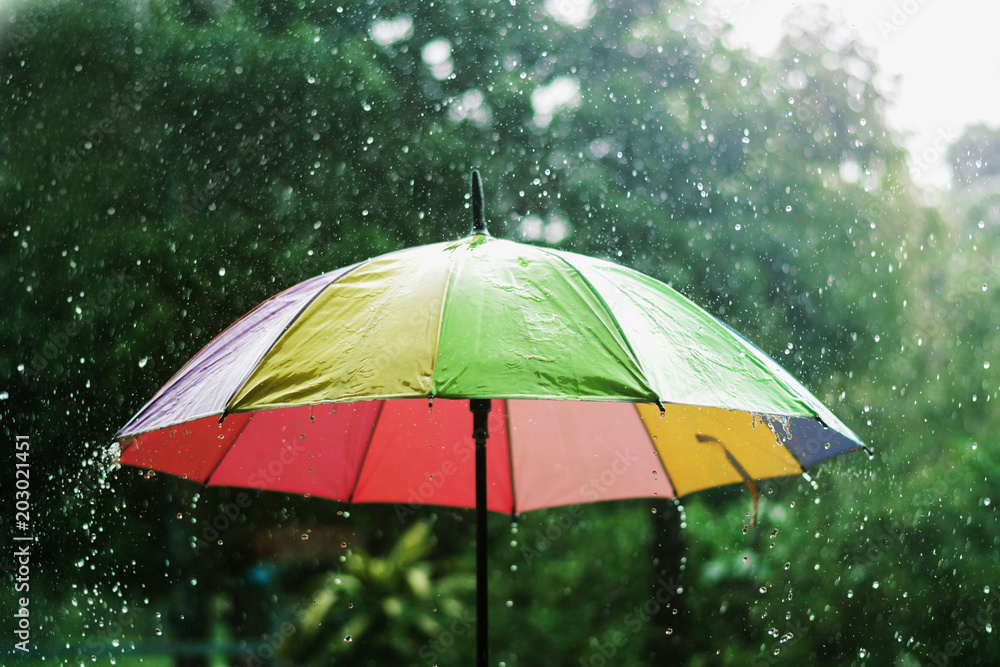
<point>607,384</point>
<point>612,385</point>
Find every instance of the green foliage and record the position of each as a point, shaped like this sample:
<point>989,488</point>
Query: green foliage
<point>394,601</point>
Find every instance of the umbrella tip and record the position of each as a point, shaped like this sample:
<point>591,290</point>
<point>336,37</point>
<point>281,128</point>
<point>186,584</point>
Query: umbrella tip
<point>478,221</point>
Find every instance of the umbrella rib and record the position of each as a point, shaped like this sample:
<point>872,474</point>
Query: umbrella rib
<point>611,316</point>
<point>232,442</point>
<point>364,457</point>
<point>440,322</point>
<point>291,321</point>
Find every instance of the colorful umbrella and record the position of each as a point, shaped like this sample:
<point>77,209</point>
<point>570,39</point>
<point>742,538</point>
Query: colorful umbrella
<point>592,381</point>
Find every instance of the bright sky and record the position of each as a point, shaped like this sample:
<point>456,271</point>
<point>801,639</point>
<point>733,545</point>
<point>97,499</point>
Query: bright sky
<point>945,53</point>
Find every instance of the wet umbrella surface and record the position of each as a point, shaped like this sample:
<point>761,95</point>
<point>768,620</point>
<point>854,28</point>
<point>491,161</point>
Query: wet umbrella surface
<point>607,385</point>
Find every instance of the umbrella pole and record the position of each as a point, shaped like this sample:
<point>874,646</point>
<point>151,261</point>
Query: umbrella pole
<point>480,408</point>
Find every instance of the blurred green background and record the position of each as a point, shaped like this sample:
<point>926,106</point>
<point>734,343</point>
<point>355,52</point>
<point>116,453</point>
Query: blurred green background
<point>165,165</point>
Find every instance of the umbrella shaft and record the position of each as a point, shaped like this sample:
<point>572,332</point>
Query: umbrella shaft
<point>480,408</point>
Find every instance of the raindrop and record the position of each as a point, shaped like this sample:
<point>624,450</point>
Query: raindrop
<point>222,271</point>
<point>142,362</point>
<point>305,536</point>
<point>788,566</point>
<point>347,639</point>
<point>763,589</point>
<point>510,603</point>
<point>986,364</point>
<point>774,533</point>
